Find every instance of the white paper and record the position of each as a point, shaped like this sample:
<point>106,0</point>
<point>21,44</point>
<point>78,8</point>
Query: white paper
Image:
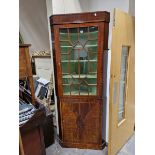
<point>43,81</point>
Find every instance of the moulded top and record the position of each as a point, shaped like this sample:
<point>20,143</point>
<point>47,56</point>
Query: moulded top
<point>75,18</point>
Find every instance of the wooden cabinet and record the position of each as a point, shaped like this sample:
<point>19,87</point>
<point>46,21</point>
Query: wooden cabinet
<point>31,134</point>
<point>25,69</point>
<point>79,41</point>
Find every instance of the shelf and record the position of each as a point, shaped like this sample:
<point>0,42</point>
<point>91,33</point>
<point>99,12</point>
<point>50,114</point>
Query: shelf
<point>81,76</point>
<point>78,84</point>
<point>78,61</point>
<point>79,46</point>
<point>77,93</point>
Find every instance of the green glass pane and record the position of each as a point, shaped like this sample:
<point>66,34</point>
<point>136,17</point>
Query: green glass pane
<point>92,90</point>
<point>73,34</point>
<point>91,48</point>
<point>66,89</point>
<point>64,57</point>
<point>84,89</point>
<point>92,67</point>
<point>64,66</point>
<point>73,67</point>
<point>92,55</point>
<point>72,54</point>
<point>91,43</point>
<point>63,34</point>
<point>65,80</point>
<point>65,46</point>
<point>91,80</point>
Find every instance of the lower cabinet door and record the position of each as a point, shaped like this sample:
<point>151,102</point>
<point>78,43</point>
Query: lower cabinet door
<point>81,123</point>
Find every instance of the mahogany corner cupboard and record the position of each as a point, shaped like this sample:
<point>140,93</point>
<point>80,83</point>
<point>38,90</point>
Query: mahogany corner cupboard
<point>79,41</point>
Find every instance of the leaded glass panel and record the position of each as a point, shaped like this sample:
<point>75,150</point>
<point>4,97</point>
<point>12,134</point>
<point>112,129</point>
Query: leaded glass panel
<point>79,48</point>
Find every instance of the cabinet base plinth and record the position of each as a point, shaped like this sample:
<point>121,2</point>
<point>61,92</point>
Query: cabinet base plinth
<point>82,146</point>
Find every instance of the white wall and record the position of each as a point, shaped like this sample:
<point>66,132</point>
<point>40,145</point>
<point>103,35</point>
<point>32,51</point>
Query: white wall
<point>109,5</point>
<point>33,24</point>
<point>70,6</point>
<point>132,7</point>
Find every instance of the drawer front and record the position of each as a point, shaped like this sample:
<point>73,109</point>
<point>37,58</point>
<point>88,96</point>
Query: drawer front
<point>81,121</point>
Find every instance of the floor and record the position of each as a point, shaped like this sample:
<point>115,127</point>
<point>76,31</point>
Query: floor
<point>56,149</point>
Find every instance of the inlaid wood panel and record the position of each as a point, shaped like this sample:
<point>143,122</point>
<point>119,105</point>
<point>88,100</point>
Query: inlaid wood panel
<point>80,120</point>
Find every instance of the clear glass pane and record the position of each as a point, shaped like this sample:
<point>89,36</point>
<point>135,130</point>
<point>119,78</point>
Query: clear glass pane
<point>122,91</point>
<point>79,48</point>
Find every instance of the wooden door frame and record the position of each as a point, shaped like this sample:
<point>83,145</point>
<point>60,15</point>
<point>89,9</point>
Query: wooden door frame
<point>102,28</point>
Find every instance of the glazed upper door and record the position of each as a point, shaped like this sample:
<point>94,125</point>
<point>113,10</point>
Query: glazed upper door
<point>79,51</point>
<point>122,82</point>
